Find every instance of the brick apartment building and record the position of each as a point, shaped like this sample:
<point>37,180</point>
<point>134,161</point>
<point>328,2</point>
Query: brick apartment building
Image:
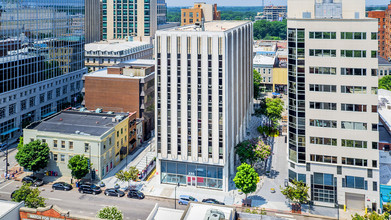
<point>125,87</point>
<point>384,24</point>
<point>200,11</point>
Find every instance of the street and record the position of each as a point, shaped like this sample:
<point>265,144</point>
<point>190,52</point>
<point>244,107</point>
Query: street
<point>88,205</point>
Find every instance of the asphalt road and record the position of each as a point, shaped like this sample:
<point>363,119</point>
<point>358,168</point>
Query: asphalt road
<point>88,205</point>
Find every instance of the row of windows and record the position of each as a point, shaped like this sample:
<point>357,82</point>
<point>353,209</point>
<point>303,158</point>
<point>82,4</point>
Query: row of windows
<point>344,35</point>
<point>323,158</point>
<point>354,89</point>
<point>345,143</point>
<point>323,88</point>
<point>344,53</point>
<point>323,123</point>
<point>323,35</point>
<point>323,105</point>
<point>353,143</point>
<point>344,89</point>
<point>354,35</point>
<point>344,71</point>
<point>344,124</point>
<point>323,53</point>
<point>345,160</point>
<point>323,141</point>
<point>323,70</point>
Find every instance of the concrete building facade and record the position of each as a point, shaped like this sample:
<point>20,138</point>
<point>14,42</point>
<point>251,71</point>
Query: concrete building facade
<point>384,30</point>
<point>128,86</point>
<point>102,137</point>
<point>204,101</point>
<point>126,19</point>
<point>104,54</point>
<point>332,90</point>
<point>92,21</point>
<point>200,11</point>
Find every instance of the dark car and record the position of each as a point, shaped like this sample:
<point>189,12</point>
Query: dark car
<point>62,186</point>
<point>35,181</point>
<point>135,194</point>
<point>12,194</point>
<point>114,192</point>
<point>213,201</point>
<point>82,182</point>
<point>90,189</point>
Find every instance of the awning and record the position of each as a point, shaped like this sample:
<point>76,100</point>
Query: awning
<point>275,93</point>
<point>9,131</point>
<point>48,114</point>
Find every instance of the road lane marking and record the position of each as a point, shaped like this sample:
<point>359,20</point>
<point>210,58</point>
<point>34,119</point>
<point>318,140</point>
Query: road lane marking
<point>55,199</point>
<point>5,192</point>
<point>282,215</point>
<point>6,184</point>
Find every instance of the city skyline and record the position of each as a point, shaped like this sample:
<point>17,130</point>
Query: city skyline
<point>177,3</point>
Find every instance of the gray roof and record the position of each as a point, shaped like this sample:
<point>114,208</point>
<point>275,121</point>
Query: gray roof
<point>81,123</point>
<point>383,61</point>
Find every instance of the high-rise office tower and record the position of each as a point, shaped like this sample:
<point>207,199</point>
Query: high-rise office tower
<point>92,21</point>
<point>129,18</point>
<point>161,12</point>
<point>41,60</point>
<point>204,100</point>
<point>332,86</point>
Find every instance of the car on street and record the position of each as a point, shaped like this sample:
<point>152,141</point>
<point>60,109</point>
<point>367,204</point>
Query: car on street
<point>62,186</point>
<point>12,194</point>
<point>114,192</point>
<point>135,194</point>
<point>35,181</point>
<point>184,199</point>
<point>90,189</point>
<point>213,201</point>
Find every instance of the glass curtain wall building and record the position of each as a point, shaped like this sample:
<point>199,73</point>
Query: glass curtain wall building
<point>41,60</point>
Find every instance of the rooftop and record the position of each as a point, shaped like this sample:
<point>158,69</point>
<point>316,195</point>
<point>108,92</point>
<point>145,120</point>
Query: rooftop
<point>79,123</point>
<point>384,109</point>
<point>113,45</point>
<point>7,206</point>
<point>383,62</point>
<point>198,211</point>
<point>263,60</point>
<point>212,26</point>
<point>137,64</point>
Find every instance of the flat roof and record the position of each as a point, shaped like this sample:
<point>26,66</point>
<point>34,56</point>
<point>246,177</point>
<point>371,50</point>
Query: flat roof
<point>137,63</point>
<point>383,61</point>
<point>212,26</point>
<point>263,60</point>
<point>6,206</point>
<point>168,214</point>
<point>198,211</point>
<point>113,45</point>
<point>78,123</point>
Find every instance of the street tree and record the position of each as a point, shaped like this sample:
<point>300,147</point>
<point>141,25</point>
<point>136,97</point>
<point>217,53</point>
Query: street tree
<point>110,213</point>
<point>246,179</point>
<point>253,150</point>
<point>371,216</point>
<point>33,156</point>
<point>274,109</point>
<point>29,195</point>
<point>127,176</point>
<point>297,192</point>
<point>78,165</point>
<point>385,83</point>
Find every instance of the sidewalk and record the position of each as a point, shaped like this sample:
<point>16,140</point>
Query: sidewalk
<point>155,189</point>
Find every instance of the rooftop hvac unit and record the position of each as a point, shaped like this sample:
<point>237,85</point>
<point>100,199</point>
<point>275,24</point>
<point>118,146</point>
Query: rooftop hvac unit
<point>214,214</point>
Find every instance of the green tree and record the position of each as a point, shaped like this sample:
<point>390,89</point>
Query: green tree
<point>371,216</point>
<point>297,192</point>
<point>78,165</point>
<point>29,195</point>
<point>252,151</point>
<point>126,176</point>
<point>33,156</point>
<point>246,179</point>
<point>385,83</point>
<point>274,109</point>
<point>257,83</point>
<point>264,29</point>
<point>110,213</point>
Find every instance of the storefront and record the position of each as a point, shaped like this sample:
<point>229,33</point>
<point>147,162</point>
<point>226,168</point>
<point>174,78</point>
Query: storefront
<point>192,174</point>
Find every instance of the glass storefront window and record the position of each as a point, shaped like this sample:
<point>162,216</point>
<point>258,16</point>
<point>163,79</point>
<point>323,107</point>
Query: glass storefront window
<point>182,168</point>
<point>191,170</point>
<point>201,170</point>
<point>171,167</point>
<point>212,172</point>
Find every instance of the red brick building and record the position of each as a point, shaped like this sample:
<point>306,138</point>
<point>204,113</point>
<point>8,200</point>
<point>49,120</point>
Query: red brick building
<point>125,87</point>
<point>52,211</point>
<point>384,24</point>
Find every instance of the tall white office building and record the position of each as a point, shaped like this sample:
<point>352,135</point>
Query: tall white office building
<point>332,76</point>
<point>204,98</point>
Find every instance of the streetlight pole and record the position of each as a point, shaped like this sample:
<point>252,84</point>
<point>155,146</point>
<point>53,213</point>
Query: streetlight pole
<point>89,147</point>
<point>175,194</point>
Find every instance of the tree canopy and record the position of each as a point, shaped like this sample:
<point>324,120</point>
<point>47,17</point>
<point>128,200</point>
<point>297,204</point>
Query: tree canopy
<point>257,83</point>
<point>274,109</point>
<point>110,213</point>
<point>297,192</point>
<point>246,179</point>
<point>29,195</point>
<point>33,156</point>
<point>78,165</point>
<point>252,151</point>
<point>371,216</point>
<point>385,83</point>
<point>270,30</point>
<point>129,175</point>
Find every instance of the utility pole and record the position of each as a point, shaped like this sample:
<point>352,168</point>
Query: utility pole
<point>89,163</point>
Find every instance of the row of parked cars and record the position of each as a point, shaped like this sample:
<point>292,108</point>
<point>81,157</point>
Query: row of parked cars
<point>84,187</point>
<point>184,200</point>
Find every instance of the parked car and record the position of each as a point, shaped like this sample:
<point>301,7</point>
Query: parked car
<point>12,194</point>
<point>90,189</point>
<point>212,201</point>
<point>135,194</point>
<point>35,181</point>
<point>114,192</point>
<point>62,186</point>
<point>82,182</point>
<point>184,199</point>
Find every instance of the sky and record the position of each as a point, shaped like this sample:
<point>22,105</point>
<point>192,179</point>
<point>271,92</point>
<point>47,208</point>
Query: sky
<point>171,3</point>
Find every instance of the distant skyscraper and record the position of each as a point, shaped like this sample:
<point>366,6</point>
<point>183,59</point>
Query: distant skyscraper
<point>123,19</point>
<point>332,92</point>
<point>204,100</point>
<point>161,12</point>
<point>41,60</point>
<point>92,21</point>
